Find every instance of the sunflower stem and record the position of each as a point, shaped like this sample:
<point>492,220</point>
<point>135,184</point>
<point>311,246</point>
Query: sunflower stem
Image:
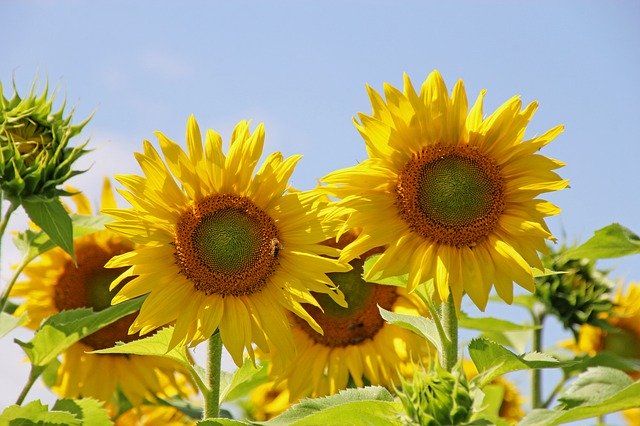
<point>212,394</point>
<point>537,315</point>
<point>3,226</point>
<point>34,373</point>
<point>450,325</point>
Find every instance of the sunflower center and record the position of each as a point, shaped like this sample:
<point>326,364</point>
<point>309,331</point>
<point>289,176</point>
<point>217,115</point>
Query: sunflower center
<point>226,245</point>
<point>359,321</point>
<point>452,195</point>
<point>87,286</point>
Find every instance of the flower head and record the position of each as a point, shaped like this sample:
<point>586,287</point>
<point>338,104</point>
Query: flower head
<point>436,397</point>
<point>579,295</point>
<point>222,248</point>
<point>34,156</point>
<point>55,283</point>
<point>357,346</point>
<point>623,335</point>
<point>451,194</point>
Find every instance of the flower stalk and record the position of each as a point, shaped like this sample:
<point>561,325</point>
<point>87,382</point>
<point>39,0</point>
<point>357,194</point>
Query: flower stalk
<point>212,393</point>
<point>450,326</point>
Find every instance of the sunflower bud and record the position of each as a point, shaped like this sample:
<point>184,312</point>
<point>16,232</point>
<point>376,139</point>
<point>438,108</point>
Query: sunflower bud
<point>34,157</point>
<point>436,397</point>
<point>579,295</point>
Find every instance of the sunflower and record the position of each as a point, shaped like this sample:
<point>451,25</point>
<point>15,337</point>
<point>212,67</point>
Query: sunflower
<point>154,415</point>
<point>624,339</point>
<point>511,407</point>
<point>358,347</point>
<point>268,400</point>
<point>225,249</point>
<point>456,192</point>
<point>54,283</point>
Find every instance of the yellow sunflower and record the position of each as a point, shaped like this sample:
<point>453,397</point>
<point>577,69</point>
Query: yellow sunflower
<point>624,340</point>
<point>153,415</point>
<point>357,346</point>
<point>451,194</point>
<point>268,400</point>
<point>221,248</point>
<point>53,283</point>
<point>511,407</point>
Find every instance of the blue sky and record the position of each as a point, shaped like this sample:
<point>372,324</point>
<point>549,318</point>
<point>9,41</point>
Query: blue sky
<point>301,68</point>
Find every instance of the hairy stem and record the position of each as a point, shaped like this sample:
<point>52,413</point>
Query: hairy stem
<point>450,325</point>
<point>212,395</point>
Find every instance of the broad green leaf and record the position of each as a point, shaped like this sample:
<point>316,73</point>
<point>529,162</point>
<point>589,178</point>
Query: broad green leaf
<point>424,327</point>
<point>243,380</point>
<point>9,322</point>
<point>611,241</point>
<point>36,413</point>
<point>517,340</point>
<point>88,410</point>
<point>493,360</point>
<point>362,406</point>
<point>593,386</point>
<point>490,324</point>
<point>156,345</point>
<point>622,399</point>
<point>65,328</point>
<point>33,243</point>
<point>399,281</point>
<point>605,359</point>
<point>49,214</point>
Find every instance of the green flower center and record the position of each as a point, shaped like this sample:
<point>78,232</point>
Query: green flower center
<point>451,195</point>
<point>226,245</point>
<point>227,240</point>
<point>359,321</point>
<point>454,191</point>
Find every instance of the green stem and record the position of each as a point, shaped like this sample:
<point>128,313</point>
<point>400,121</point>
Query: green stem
<point>212,395</point>
<point>536,375</point>
<point>34,373</point>
<point>450,325</point>
<point>5,293</point>
<point>5,219</point>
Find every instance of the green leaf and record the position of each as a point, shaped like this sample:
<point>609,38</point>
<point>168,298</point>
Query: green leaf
<point>424,327</point>
<point>491,324</point>
<point>493,360</point>
<point>9,322</point>
<point>593,386</point>
<point>36,413</point>
<point>615,397</point>
<point>371,405</point>
<point>49,214</point>
<point>243,380</point>
<point>221,422</point>
<point>89,410</point>
<point>399,281</point>
<point>156,345</point>
<point>605,359</point>
<point>33,243</point>
<point>611,241</point>
<point>65,328</point>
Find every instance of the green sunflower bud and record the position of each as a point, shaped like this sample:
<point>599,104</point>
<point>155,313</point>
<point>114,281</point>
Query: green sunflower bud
<point>436,397</point>
<point>34,157</point>
<point>579,295</point>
